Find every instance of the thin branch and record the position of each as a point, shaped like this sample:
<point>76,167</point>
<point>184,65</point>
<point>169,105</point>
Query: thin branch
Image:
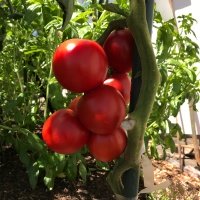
<point>114,8</point>
<point>113,25</point>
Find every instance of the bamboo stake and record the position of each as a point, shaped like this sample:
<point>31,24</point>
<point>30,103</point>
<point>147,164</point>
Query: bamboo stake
<point>194,135</point>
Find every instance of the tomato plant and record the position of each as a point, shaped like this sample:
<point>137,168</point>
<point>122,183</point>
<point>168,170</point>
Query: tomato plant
<point>29,92</point>
<point>80,64</point>
<point>108,147</point>
<point>121,82</point>
<point>119,48</point>
<point>63,133</point>
<point>101,110</point>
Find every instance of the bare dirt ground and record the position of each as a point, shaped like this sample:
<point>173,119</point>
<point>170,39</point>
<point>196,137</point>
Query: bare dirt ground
<point>14,184</point>
<point>184,185</point>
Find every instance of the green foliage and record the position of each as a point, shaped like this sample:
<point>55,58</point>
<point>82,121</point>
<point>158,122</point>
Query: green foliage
<point>29,92</point>
<point>25,78</point>
<point>176,55</point>
<point>29,34</point>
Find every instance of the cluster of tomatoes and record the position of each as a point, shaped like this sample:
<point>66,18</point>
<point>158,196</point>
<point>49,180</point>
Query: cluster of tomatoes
<point>94,117</point>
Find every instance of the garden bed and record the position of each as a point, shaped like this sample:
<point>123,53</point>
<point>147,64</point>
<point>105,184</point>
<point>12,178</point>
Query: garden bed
<point>14,183</point>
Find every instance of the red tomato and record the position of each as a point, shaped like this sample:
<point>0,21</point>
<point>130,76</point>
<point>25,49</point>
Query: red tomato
<point>108,147</point>
<point>101,110</point>
<point>80,65</point>
<point>121,82</point>
<point>73,103</point>
<point>63,133</point>
<point>119,49</point>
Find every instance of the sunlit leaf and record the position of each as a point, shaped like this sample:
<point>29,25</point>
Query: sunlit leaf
<point>33,173</point>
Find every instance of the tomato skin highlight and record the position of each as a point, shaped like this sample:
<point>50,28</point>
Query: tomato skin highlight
<point>80,65</point>
<point>106,148</point>
<point>63,133</point>
<point>121,82</point>
<point>102,109</point>
<point>119,48</point>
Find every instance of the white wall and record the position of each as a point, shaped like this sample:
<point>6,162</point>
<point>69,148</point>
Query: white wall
<point>186,7</point>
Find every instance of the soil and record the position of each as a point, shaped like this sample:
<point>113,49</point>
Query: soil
<point>184,185</point>
<point>14,183</point>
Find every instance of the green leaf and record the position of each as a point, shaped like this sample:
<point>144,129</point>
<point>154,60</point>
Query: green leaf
<point>33,173</point>
<point>175,104</point>
<point>124,4</point>
<point>35,1</point>
<point>176,86</point>
<point>190,73</point>
<point>164,75</point>
<point>26,52</point>
<point>83,16</point>
<point>35,142</point>
<point>82,171</point>
<point>174,62</point>
<point>25,158</point>
<point>30,15</point>
<point>115,9</point>
<point>164,39</point>
<point>49,178</point>
<point>170,143</point>
<point>60,162</point>
<point>71,167</point>
<point>55,23</point>
<point>174,128</point>
<point>68,9</point>
<point>46,14</point>
<point>154,151</point>
<point>57,99</point>
<point>103,165</point>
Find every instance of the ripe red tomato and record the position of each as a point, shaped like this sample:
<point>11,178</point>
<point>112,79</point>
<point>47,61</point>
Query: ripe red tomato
<point>63,133</point>
<point>73,103</point>
<point>119,49</point>
<point>121,82</point>
<point>108,147</point>
<point>80,65</point>
<point>102,109</point>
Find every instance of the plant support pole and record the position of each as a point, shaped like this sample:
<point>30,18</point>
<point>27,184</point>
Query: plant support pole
<point>194,135</point>
<point>150,78</point>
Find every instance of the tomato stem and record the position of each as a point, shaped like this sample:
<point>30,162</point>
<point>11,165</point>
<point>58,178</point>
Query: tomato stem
<point>137,23</point>
<point>47,94</point>
<point>113,25</point>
